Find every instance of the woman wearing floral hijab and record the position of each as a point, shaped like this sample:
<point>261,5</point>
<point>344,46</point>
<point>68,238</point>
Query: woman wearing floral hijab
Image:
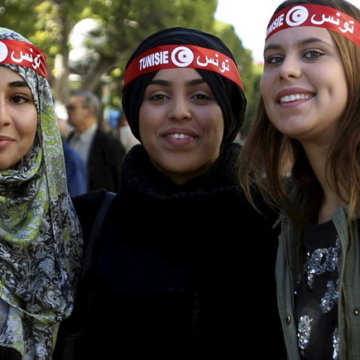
<point>40,239</point>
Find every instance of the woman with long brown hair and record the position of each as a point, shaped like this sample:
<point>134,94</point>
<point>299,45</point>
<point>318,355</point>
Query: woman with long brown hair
<point>303,153</point>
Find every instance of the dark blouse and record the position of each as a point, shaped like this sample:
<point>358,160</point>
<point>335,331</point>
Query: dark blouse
<point>181,271</point>
<point>317,294</point>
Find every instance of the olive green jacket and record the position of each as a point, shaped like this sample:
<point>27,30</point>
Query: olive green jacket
<point>288,268</point>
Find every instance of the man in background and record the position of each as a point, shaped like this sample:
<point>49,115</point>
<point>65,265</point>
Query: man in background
<point>76,172</point>
<point>102,152</point>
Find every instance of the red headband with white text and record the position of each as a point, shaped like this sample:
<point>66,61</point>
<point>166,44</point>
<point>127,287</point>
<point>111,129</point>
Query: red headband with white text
<point>21,53</point>
<point>181,56</point>
<point>315,15</point>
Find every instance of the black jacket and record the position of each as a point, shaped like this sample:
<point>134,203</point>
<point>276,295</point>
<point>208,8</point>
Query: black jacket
<point>104,162</point>
<point>181,270</point>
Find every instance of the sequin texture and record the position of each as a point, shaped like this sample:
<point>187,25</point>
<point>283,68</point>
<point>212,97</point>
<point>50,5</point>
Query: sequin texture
<point>317,294</point>
<point>331,296</point>
<point>321,261</point>
<point>304,331</point>
<point>336,345</point>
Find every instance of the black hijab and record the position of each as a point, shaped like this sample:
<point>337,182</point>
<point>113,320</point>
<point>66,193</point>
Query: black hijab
<point>229,95</point>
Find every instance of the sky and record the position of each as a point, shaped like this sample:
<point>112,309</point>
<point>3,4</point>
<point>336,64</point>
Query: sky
<point>250,19</point>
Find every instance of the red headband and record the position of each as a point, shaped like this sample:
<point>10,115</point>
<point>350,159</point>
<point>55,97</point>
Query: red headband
<point>180,56</point>
<point>23,54</point>
<point>315,15</point>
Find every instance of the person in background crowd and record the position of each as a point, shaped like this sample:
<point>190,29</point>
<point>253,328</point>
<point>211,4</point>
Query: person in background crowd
<point>127,138</point>
<point>309,119</point>
<point>170,276</point>
<point>40,237</point>
<point>76,172</point>
<point>62,117</point>
<point>101,152</point>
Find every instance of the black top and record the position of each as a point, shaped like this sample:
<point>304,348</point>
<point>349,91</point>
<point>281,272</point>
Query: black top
<point>181,270</point>
<point>317,294</point>
<point>104,162</point>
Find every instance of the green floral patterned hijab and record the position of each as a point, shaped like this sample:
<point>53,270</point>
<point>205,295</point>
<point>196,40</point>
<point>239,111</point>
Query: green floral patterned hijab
<point>40,238</point>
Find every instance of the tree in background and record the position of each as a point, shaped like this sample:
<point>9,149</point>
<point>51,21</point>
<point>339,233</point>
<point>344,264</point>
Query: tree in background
<point>122,25</point>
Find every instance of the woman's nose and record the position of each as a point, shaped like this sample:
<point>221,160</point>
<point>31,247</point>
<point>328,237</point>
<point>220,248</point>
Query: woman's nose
<point>180,109</point>
<point>4,113</point>
<point>290,68</point>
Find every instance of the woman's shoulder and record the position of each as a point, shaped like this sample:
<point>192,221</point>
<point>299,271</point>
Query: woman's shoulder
<point>89,200</point>
<point>87,206</point>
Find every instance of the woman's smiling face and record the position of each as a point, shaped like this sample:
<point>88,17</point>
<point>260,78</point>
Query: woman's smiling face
<point>18,118</point>
<point>304,86</point>
<point>181,124</point>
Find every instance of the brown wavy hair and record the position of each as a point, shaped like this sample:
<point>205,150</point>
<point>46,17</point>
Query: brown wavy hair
<point>269,156</point>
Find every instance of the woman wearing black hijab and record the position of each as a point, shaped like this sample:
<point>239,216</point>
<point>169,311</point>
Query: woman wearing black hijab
<point>183,265</point>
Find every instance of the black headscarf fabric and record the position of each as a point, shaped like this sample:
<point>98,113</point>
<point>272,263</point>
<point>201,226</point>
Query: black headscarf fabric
<point>229,95</point>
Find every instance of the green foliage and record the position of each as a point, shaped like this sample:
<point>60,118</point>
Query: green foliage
<point>123,24</point>
<point>253,103</point>
<point>13,10</point>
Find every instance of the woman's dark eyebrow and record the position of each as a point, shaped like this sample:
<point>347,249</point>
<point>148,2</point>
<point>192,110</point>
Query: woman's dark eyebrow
<point>301,43</point>
<point>18,84</point>
<point>195,82</point>
<point>168,83</point>
<point>159,82</point>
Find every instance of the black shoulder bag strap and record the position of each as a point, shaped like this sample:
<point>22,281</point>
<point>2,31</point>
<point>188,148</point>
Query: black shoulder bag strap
<point>95,233</point>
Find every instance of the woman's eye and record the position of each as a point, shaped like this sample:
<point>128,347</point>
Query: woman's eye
<point>201,98</point>
<point>158,97</point>
<point>19,99</point>
<point>311,54</point>
<point>273,59</point>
